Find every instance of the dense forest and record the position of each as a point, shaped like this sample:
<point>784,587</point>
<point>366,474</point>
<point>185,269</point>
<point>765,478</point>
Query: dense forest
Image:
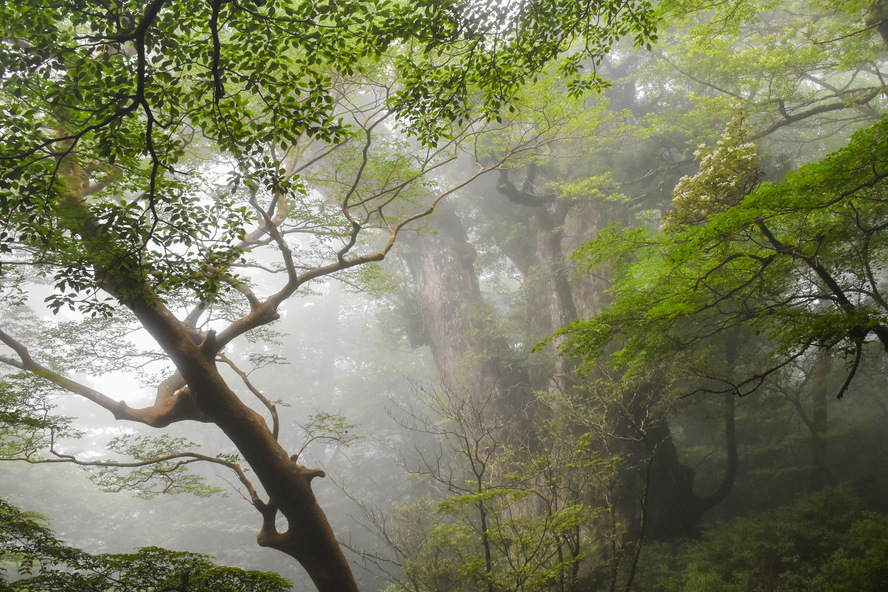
<point>434,296</point>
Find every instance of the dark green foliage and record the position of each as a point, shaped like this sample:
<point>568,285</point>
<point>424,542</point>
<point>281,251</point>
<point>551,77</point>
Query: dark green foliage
<point>103,109</point>
<point>36,561</point>
<point>825,542</point>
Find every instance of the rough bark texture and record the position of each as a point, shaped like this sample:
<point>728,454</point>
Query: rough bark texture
<point>442,265</point>
<point>455,321</point>
<point>538,234</point>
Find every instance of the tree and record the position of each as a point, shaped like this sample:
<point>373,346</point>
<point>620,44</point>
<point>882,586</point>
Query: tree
<point>745,286</point>
<point>496,517</point>
<point>185,169</point>
<point>798,263</point>
<point>802,76</point>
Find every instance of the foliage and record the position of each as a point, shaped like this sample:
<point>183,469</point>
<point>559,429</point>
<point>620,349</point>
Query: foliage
<point>193,166</point>
<point>728,173</point>
<point>110,105</point>
<point>159,466</point>
<point>782,62</point>
<point>45,564</point>
<point>328,427</point>
<point>505,518</point>
<point>798,263</point>
<point>444,546</point>
<point>158,156</point>
<point>152,154</point>
<point>27,421</point>
<point>823,542</point>
<point>786,79</point>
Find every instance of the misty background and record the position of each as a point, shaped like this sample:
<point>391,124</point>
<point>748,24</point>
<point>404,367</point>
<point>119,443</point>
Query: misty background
<point>442,347</point>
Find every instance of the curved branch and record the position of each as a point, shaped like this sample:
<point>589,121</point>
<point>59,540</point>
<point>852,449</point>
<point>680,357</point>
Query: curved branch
<point>265,401</point>
<point>751,383</point>
<point>269,536</point>
<point>183,458</point>
<point>266,311</point>
<point>345,207</point>
<point>858,353</point>
<point>727,483</point>
<point>850,98</point>
<point>522,196</point>
<point>171,405</point>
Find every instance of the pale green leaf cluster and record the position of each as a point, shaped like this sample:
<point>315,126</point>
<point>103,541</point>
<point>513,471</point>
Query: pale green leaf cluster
<point>158,465</point>
<point>728,173</point>
<point>328,427</point>
<point>29,424</point>
<point>450,549</point>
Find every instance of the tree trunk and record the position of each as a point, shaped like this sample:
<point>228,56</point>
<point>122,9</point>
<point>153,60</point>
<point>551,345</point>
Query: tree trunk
<point>308,538</point>
<point>557,296</point>
<point>537,235</point>
<point>455,321</point>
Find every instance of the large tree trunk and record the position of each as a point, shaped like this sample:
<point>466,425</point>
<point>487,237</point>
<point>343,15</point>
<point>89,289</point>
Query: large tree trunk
<point>673,510</point>
<point>309,538</point>
<point>658,501</point>
<point>201,393</point>
<point>455,321</point>
<point>537,234</point>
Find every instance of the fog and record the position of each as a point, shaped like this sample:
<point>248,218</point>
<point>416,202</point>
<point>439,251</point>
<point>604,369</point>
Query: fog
<point>467,444</point>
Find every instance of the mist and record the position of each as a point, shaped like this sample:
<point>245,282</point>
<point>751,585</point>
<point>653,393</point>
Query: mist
<point>629,339</point>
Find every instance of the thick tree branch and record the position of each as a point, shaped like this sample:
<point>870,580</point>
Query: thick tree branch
<point>727,483</point>
<point>170,406</point>
<point>523,196</point>
<point>272,410</point>
<point>850,98</point>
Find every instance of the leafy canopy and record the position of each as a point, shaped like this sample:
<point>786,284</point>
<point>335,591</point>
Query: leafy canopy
<point>104,109</point>
<point>801,263</point>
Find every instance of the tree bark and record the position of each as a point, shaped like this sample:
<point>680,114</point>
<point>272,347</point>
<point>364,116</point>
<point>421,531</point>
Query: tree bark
<point>538,235</point>
<point>309,538</point>
<point>456,322</point>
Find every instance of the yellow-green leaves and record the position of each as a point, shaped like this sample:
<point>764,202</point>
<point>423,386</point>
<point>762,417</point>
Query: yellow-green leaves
<point>727,174</point>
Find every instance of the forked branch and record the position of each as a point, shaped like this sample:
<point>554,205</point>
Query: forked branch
<point>172,404</point>
<point>272,409</point>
